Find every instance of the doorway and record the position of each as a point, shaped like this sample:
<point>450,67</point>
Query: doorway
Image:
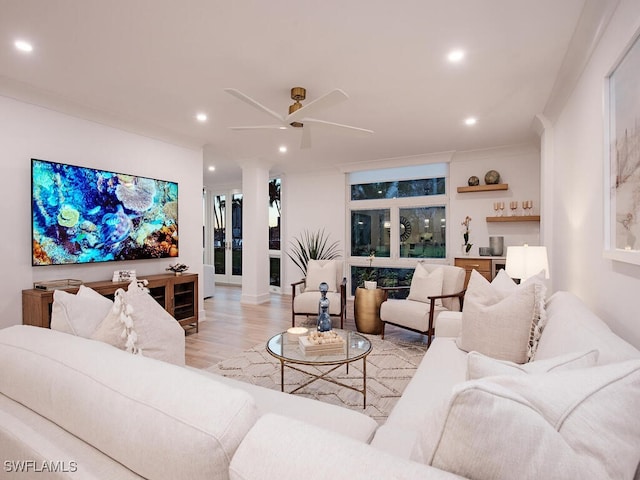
<point>227,242</point>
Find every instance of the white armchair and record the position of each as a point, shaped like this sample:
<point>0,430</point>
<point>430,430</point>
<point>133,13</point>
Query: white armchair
<point>434,289</point>
<point>305,295</point>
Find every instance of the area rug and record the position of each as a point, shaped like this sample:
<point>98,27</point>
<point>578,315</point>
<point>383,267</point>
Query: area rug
<point>390,366</point>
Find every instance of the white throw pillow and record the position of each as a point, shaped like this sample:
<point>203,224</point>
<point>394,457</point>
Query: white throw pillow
<point>570,424</point>
<point>78,314</point>
<point>503,325</point>
<point>503,282</point>
<point>425,284</point>
<point>480,366</point>
<point>151,332</point>
<point>318,273</point>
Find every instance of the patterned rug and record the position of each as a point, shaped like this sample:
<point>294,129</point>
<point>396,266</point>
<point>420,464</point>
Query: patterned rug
<point>390,366</point>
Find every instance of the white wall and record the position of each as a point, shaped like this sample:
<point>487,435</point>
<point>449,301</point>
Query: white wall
<point>311,202</point>
<point>519,166</point>
<point>609,287</point>
<point>28,131</point>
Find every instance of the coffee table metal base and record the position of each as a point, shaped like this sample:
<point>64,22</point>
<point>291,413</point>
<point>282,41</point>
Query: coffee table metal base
<point>291,355</point>
<point>323,376</point>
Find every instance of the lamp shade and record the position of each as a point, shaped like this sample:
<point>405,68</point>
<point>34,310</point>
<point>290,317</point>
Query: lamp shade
<point>524,262</point>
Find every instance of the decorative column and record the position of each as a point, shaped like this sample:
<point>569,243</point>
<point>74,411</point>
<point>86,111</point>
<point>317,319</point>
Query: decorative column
<point>255,233</point>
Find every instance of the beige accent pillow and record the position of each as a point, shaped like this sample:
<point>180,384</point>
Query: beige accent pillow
<point>502,325</point>
<point>569,424</point>
<point>504,284</point>
<point>480,366</point>
<point>78,314</point>
<point>318,273</point>
<point>425,284</point>
<point>153,332</point>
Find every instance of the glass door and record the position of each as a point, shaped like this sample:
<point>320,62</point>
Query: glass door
<point>227,242</point>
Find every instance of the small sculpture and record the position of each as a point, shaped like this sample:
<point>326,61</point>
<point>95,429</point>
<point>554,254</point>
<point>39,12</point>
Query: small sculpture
<point>492,177</point>
<point>473,181</point>
<point>178,268</point>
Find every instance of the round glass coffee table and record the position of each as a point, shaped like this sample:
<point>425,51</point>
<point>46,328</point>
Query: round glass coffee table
<point>291,355</point>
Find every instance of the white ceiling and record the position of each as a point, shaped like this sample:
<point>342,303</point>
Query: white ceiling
<point>149,66</point>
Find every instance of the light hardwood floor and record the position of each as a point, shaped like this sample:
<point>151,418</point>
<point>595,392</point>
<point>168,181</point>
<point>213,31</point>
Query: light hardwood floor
<point>231,327</point>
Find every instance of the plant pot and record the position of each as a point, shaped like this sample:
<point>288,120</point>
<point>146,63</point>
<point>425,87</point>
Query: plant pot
<point>366,308</point>
<point>370,285</point>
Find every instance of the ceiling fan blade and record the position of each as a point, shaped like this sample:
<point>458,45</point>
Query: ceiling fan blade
<point>260,127</point>
<point>328,100</point>
<point>347,128</point>
<point>250,101</point>
<point>305,142</point>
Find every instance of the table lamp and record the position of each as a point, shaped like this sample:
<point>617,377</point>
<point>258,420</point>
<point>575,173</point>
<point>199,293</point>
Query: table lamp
<point>525,261</point>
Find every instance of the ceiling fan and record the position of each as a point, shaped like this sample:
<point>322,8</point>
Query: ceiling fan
<point>299,115</point>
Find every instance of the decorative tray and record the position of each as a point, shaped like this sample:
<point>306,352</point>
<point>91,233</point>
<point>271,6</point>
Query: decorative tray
<point>322,343</point>
<point>57,284</point>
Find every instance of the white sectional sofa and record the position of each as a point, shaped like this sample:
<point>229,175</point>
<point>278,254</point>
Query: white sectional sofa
<point>78,408</point>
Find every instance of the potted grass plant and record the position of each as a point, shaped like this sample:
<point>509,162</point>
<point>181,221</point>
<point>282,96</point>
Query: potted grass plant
<point>312,246</point>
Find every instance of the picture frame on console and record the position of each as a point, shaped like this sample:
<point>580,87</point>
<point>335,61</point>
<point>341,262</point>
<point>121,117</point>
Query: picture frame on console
<point>622,157</point>
<point>124,276</point>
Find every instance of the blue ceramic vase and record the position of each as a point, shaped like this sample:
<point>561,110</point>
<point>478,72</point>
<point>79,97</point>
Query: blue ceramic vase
<point>324,321</point>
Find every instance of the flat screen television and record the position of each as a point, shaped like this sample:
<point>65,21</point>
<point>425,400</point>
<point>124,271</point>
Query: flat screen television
<point>86,215</point>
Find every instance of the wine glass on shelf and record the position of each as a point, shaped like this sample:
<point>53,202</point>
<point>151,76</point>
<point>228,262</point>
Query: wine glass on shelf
<point>527,205</point>
<point>501,208</point>
<point>496,207</point>
<point>513,206</point>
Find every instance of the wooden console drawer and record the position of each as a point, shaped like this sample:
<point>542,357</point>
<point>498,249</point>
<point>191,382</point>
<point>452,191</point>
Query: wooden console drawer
<point>482,265</point>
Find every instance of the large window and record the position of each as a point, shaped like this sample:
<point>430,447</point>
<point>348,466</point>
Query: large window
<point>422,232</point>
<point>398,189</point>
<point>370,232</point>
<point>275,214</point>
<point>399,215</point>
<point>275,229</point>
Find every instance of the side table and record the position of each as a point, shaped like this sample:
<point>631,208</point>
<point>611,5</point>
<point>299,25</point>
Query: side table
<point>366,308</point>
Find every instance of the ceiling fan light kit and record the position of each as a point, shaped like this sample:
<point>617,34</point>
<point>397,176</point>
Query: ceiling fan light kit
<point>298,94</point>
<point>298,113</point>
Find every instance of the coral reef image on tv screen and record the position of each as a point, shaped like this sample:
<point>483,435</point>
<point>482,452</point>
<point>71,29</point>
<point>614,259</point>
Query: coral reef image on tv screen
<point>83,215</point>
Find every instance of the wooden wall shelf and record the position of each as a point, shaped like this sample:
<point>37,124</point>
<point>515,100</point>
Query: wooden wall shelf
<point>515,218</point>
<point>484,188</point>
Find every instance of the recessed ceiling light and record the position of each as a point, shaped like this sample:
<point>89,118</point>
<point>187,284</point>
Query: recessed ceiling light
<point>283,149</point>
<point>470,121</point>
<point>201,117</point>
<point>212,168</point>
<point>282,128</point>
<point>455,56</point>
<point>23,46</point>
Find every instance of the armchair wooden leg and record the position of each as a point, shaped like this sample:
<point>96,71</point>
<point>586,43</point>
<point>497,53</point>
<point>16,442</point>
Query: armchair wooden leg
<point>383,325</point>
